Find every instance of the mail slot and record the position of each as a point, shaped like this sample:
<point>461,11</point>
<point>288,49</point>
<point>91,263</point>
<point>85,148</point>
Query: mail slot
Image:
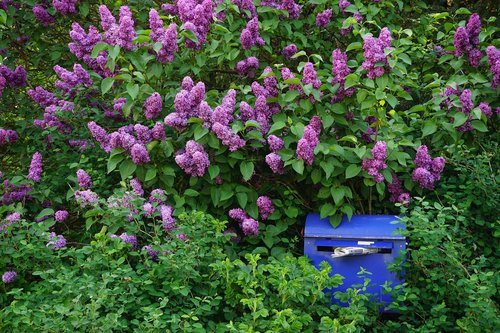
<point>368,242</point>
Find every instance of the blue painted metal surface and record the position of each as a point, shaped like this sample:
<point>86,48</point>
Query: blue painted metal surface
<point>363,231</point>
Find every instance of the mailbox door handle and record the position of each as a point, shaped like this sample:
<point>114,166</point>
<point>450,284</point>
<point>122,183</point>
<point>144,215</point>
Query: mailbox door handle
<point>352,251</point>
<point>374,244</point>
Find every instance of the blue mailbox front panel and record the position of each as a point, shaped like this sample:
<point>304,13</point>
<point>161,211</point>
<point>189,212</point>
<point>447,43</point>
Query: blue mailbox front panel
<point>374,235</point>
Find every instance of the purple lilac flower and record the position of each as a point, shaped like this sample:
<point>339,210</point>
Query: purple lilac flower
<point>86,198</point>
<point>139,154</point>
<point>3,82</point>
<point>309,141</point>
<point>82,46</point>
<point>193,160</point>
<point>343,4</point>
<point>485,109</point>
<point>151,253</point>
<point>324,18</point>
<point>275,143</point>
<point>16,78</point>
<point>309,76</point>
<point>56,241</point>
<point>148,209</point>
<point>69,80</point>
<point>152,106</point>
<point>265,206</point>
<point>250,227</point>
<point>42,97</point>
<point>167,37</point>
<point>158,132</point>
<point>397,192</point>
<point>374,53</point>
<point>223,114</point>
<point>42,16</point>
<point>15,193</point>
<point>228,137</point>
<point>428,171</point>
<point>250,35</point>
<point>61,215</point>
<point>377,163</point>
<point>247,66</point>
<point>122,33</point>
<point>246,5</point>
<point>289,51</point>
<point>137,187</point>
<point>84,180</point>
<point>157,195</point>
<point>129,239</point>
<point>286,74</point>
<point>169,222</point>
<point>340,70</point>
<point>9,220</point>
<point>65,6</point>
<point>9,277</point>
<point>466,40</point>
<point>182,237</point>
<point>8,136</point>
<point>35,172</point>
<point>143,134</point>
<point>493,55</point>
<point>234,238</point>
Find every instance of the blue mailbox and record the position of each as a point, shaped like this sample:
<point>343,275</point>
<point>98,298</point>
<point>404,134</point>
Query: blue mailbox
<point>368,241</point>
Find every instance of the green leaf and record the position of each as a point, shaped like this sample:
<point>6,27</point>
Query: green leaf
<point>106,84</point>
<point>460,119</point>
<point>352,171</point>
<point>191,193</point>
<point>354,46</point>
<point>351,80</point>
<point>405,58</point>
<point>242,199</point>
<point>45,212</point>
<point>291,212</point>
<point>430,127</point>
<point>337,195</point>
<point>150,174</point>
<point>189,34</point>
<point>200,132</point>
<point>327,210</point>
<point>298,166</point>
<point>213,171</point>
<point>98,49</point>
<point>479,125</point>
<point>127,168</point>
<point>335,220</point>
<point>327,167</point>
<point>133,90</point>
<point>463,11</point>
<point>114,160</point>
<point>299,54</point>
<point>293,80</point>
<point>246,169</point>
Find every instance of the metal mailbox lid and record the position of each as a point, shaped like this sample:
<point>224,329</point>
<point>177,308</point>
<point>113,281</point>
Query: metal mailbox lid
<point>360,227</point>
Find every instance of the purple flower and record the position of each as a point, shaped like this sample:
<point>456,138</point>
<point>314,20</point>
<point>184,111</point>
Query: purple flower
<point>9,277</point>
<point>247,66</point>
<point>275,162</point>
<point>377,163</point>
<point>42,16</point>
<point>56,241</point>
<point>340,70</point>
<point>86,198</point>
<point>275,143</point>
<point>157,195</point>
<point>428,171</point>
<point>323,18</point>
<point>151,253</point>
<point>167,37</point>
<point>466,100</point>
<point>118,34</point>
<point>148,209</point>
<point>9,220</point>
<point>309,141</point>
<point>343,4</point>
<point>35,172</point>
<point>422,158</point>
<point>238,214</point>
<point>374,53</point>
<point>137,187</point>
<point>65,6</point>
<point>61,215</point>
<point>143,134</point>
<point>250,35</point>
<point>169,222</point>
<point>84,180</point>
<point>474,28</point>
<point>129,239</point>
<point>158,132</point>
<point>289,51</point>
<point>485,109</point>
<point>193,160</point>
<point>139,154</point>
<point>493,55</point>
<point>265,206</point>
<point>397,192</point>
<point>250,227</point>
<point>227,137</point>
<point>152,106</point>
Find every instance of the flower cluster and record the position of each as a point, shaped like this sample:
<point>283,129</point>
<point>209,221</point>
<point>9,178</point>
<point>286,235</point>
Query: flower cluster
<point>7,136</point>
<point>377,163</point>
<point>65,6</point>
<point>169,222</point>
<point>265,206</point>
<point>167,37</point>
<point>56,241</point>
<point>347,27</point>
<point>397,192</point>
<point>9,277</point>
<point>248,225</point>
<point>137,187</point>
<point>13,78</point>
<point>86,198</point>
<point>126,238</point>
<point>290,6</point>
<point>84,180</point>
<point>187,103</point>
<point>61,215</point>
<point>15,193</point>
<point>375,59</point>
<point>82,46</point>
<point>245,67</point>
<point>246,5</point>
<point>197,18</point>
<point>9,220</point>
<point>289,51</point>
<point>35,172</point>
<point>309,76</point>
<point>493,55</point>
<point>152,106</point>
<point>42,15</point>
<point>466,40</point>
<point>250,35</point>
<point>324,18</point>
<point>120,33</point>
<point>309,141</point>
<point>69,80</point>
<point>427,170</point>
<point>340,70</point>
<point>193,159</point>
